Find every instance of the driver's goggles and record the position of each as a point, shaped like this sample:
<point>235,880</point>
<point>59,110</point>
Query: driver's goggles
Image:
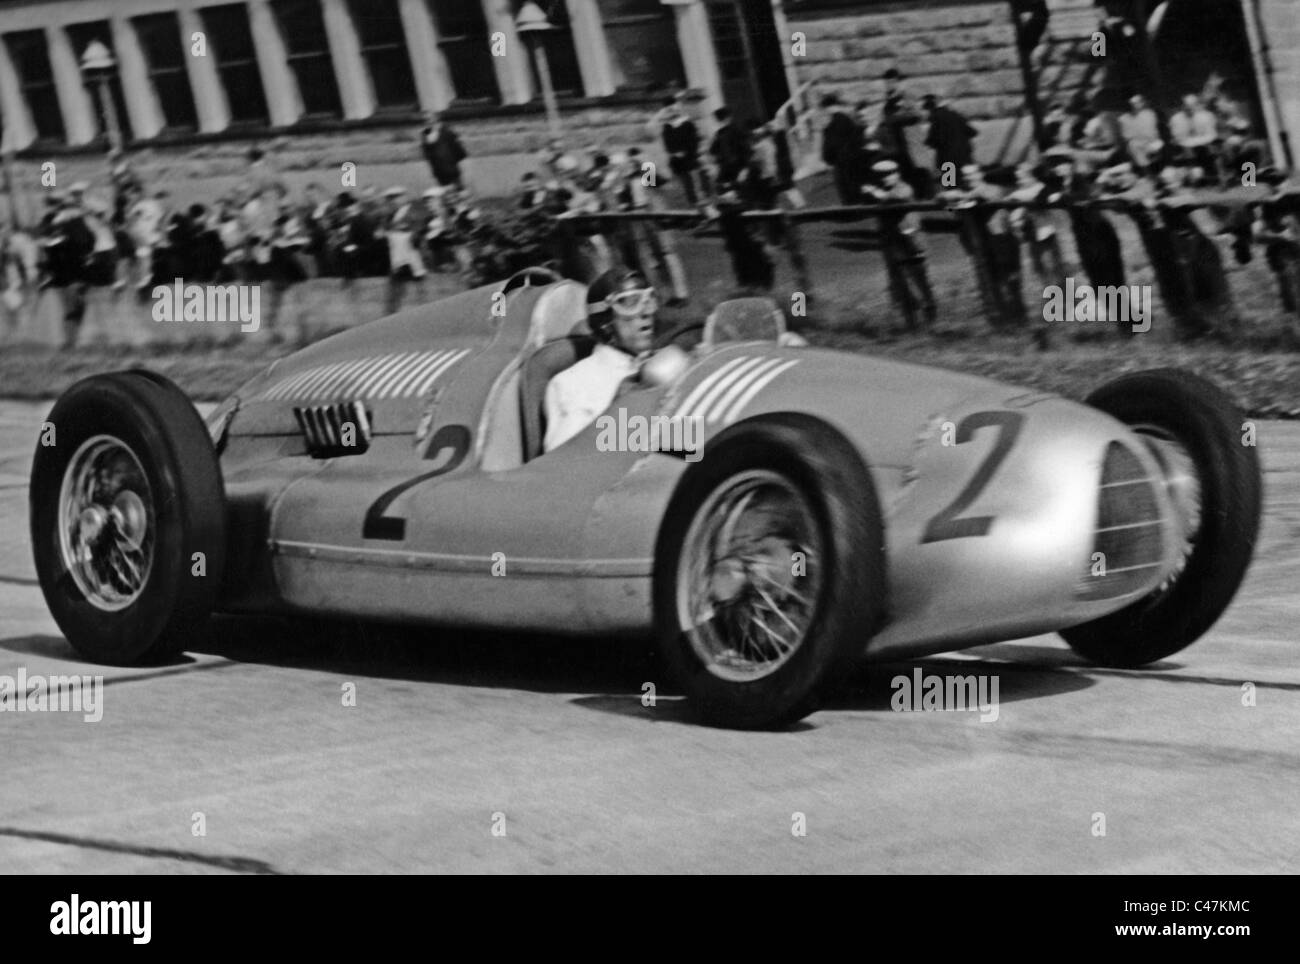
<point>630,304</point>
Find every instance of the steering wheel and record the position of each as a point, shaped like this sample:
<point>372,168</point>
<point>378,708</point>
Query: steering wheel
<point>527,277</point>
<point>675,336</point>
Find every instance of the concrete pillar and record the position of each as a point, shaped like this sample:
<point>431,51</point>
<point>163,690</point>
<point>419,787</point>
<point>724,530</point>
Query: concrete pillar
<point>143,110</point>
<point>785,37</point>
<point>74,100</point>
<point>695,41</point>
<point>19,128</point>
<point>356,91</point>
<point>600,75</point>
<point>210,103</point>
<point>1279,53</point>
<point>514,77</point>
<point>283,100</point>
<point>433,83</point>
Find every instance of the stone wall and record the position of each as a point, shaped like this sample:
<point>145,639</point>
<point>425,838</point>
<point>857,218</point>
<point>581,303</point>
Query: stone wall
<point>963,51</point>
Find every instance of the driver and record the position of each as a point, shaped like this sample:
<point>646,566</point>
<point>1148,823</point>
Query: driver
<point>621,308</point>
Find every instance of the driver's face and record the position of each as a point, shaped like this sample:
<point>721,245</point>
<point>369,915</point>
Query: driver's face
<point>634,334</point>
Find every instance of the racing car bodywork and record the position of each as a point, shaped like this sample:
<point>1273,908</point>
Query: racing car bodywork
<point>834,507</point>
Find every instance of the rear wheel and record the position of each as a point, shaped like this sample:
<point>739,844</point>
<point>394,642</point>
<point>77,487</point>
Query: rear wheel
<point>128,518</point>
<point>770,571</point>
<point>1214,482</point>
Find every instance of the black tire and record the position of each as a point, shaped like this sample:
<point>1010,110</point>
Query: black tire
<point>831,478</point>
<point>1209,427</point>
<point>162,430</point>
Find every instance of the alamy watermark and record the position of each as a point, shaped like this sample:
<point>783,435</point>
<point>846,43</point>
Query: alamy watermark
<point>929,692</point>
<point>651,433</point>
<point>179,301</point>
<point>53,694</point>
<point>77,917</point>
<point>1108,303</point>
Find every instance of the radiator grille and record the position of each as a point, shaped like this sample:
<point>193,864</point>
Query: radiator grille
<point>1130,529</point>
<point>341,428</point>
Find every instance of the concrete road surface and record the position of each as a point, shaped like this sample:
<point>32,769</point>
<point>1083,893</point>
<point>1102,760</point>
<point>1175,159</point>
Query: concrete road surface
<point>505,754</point>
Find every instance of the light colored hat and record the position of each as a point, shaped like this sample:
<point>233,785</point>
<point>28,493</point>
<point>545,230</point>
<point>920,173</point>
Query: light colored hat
<point>884,167</point>
<point>394,192</point>
<point>78,187</point>
<point>435,192</point>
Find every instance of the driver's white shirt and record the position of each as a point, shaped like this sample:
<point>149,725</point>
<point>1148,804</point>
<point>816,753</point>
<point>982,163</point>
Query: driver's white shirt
<point>582,391</point>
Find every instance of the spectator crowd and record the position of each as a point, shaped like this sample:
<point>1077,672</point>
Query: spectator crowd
<point>900,150</point>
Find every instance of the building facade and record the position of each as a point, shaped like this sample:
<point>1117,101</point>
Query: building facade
<point>193,81</point>
<point>966,51</point>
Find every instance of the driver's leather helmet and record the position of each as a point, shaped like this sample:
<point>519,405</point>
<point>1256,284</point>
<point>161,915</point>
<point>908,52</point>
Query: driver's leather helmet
<point>603,291</point>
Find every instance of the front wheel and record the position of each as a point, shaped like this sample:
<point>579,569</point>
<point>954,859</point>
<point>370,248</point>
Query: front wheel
<point>770,571</point>
<point>128,515</point>
<point>1214,482</point>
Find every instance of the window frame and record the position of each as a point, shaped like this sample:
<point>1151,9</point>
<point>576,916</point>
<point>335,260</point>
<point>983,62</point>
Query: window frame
<point>155,73</point>
<point>49,88</point>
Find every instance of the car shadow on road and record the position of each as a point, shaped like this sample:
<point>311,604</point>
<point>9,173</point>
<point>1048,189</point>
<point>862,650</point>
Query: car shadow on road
<point>871,689</point>
<point>510,660</point>
<point>58,648</point>
<point>878,687</point>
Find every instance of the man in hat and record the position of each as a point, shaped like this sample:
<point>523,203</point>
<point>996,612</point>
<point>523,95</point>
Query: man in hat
<point>900,242</point>
<point>950,137</point>
<point>442,150</point>
<point>1037,228</point>
<point>355,237</point>
<point>438,230</point>
<point>261,175</point>
<point>1139,128</point>
<point>314,214</point>
<point>841,142</point>
<point>1095,237</point>
<point>68,239</point>
<point>400,228</point>
<point>681,141</point>
<point>68,243</point>
<point>730,147</point>
<point>1003,243</point>
<point>897,116</point>
<point>1195,131</point>
<point>647,244</point>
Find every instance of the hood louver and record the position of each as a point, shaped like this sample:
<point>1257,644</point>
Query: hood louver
<point>331,431</point>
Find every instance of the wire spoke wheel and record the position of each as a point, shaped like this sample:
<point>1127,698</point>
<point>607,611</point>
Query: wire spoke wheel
<point>769,571</point>
<point>749,578</point>
<point>1183,485</point>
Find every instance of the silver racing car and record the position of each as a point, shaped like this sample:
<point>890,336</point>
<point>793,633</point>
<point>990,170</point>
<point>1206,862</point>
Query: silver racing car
<point>824,509</point>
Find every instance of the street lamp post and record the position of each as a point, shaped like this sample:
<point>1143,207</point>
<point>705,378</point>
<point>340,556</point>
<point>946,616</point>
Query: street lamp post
<point>7,185</point>
<point>532,24</point>
<point>97,64</point>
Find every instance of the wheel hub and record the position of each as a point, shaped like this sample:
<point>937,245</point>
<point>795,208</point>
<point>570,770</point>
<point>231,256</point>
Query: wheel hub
<point>106,523</point>
<point>748,580</point>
